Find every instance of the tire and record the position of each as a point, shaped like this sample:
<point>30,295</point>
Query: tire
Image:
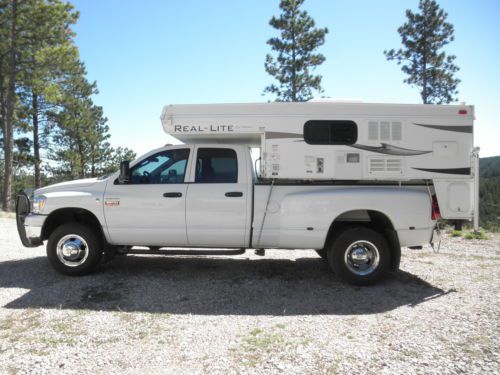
<point>74,249</point>
<point>360,256</point>
<point>322,253</point>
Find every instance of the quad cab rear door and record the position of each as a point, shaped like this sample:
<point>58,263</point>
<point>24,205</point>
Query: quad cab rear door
<point>219,197</point>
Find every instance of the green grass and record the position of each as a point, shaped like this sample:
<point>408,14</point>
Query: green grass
<point>258,339</point>
<point>456,233</point>
<point>257,344</point>
<point>29,327</point>
<point>16,326</point>
<point>53,341</point>
<point>479,235</point>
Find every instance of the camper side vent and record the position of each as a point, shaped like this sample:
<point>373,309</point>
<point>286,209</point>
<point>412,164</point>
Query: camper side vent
<point>385,131</point>
<point>373,131</point>
<point>397,131</point>
<point>385,165</point>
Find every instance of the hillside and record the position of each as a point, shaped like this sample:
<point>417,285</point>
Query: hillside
<point>489,192</point>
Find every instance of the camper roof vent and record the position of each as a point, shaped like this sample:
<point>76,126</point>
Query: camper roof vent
<point>332,100</point>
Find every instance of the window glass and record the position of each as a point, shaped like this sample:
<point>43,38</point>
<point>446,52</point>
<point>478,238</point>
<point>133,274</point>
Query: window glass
<point>216,165</point>
<point>330,132</point>
<point>166,167</point>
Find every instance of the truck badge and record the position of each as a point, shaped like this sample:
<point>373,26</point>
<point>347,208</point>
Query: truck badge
<point>111,202</point>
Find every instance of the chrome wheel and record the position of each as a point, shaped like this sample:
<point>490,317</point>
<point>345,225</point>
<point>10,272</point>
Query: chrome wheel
<point>362,258</point>
<point>72,250</point>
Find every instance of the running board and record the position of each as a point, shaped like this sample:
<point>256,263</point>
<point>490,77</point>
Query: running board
<point>182,252</point>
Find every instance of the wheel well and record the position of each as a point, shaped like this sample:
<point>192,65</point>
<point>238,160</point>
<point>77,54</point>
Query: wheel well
<point>375,220</point>
<point>66,215</point>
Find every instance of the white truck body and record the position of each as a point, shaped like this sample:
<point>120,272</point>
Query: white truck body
<point>208,194</point>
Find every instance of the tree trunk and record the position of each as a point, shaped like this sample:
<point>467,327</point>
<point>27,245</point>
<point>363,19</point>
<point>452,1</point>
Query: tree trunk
<point>36,141</point>
<point>9,115</point>
<point>424,82</point>
<point>2,107</point>
<point>424,67</point>
<point>81,172</point>
<point>294,63</point>
<point>93,162</point>
<point>82,164</point>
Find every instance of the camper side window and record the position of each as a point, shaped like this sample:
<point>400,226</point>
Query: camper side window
<point>216,165</point>
<point>330,132</point>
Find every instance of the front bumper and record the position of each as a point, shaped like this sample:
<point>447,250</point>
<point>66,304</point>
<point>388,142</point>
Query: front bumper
<point>29,226</point>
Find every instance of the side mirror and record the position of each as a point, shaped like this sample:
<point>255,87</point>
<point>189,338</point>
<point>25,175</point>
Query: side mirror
<point>124,177</point>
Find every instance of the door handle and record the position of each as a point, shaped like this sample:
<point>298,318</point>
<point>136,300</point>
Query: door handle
<point>234,194</point>
<point>172,195</point>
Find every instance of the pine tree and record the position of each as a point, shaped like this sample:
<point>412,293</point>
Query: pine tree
<point>10,18</point>
<point>35,45</point>
<point>44,90</point>
<point>49,54</point>
<point>115,157</point>
<point>428,67</point>
<point>71,125</point>
<point>296,57</point>
<point>79,145</point>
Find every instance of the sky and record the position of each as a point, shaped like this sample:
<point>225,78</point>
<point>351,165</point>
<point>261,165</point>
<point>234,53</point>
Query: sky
<point>147,54</point>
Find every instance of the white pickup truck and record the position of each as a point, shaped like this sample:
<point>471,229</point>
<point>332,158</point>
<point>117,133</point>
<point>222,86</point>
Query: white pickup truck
<point>208,196</point>
<point>353,181</point>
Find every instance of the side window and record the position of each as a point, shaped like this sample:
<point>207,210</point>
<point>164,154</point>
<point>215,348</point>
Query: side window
<point>216,165</point>
<point>166,167</point>
<point>330,132</point>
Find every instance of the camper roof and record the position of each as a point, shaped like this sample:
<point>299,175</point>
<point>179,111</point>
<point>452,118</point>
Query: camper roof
<point>245,123</point>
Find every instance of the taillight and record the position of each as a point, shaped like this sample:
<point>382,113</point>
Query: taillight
<point>436,214</point>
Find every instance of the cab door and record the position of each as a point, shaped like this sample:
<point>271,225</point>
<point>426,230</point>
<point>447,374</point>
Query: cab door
<point>217,212</point>
<point>150,208</point>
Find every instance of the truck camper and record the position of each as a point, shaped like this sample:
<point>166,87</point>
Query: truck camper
<point>354,181</point>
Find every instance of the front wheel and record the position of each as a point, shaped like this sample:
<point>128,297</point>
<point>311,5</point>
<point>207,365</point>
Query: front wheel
<point>360,256</point>
<point>74,249</point>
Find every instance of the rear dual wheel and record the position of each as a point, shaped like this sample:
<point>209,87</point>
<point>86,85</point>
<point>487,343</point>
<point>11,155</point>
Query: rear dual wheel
<point>360,256</point>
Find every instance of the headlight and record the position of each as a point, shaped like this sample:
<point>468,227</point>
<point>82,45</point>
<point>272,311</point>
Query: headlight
<point>38,203</point>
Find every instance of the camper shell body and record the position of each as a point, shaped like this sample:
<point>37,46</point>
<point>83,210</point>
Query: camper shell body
<point>359,143</point>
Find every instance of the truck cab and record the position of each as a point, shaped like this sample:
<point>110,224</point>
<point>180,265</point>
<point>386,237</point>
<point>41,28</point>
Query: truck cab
<point>189,195</point>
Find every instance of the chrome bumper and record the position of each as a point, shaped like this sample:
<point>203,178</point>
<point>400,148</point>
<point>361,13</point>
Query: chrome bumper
<point>33,232</point>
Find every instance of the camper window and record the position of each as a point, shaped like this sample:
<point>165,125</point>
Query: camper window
<point>330,132</point>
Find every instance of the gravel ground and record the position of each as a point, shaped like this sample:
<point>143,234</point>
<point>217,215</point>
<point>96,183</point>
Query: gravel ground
<point>282,313</point>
